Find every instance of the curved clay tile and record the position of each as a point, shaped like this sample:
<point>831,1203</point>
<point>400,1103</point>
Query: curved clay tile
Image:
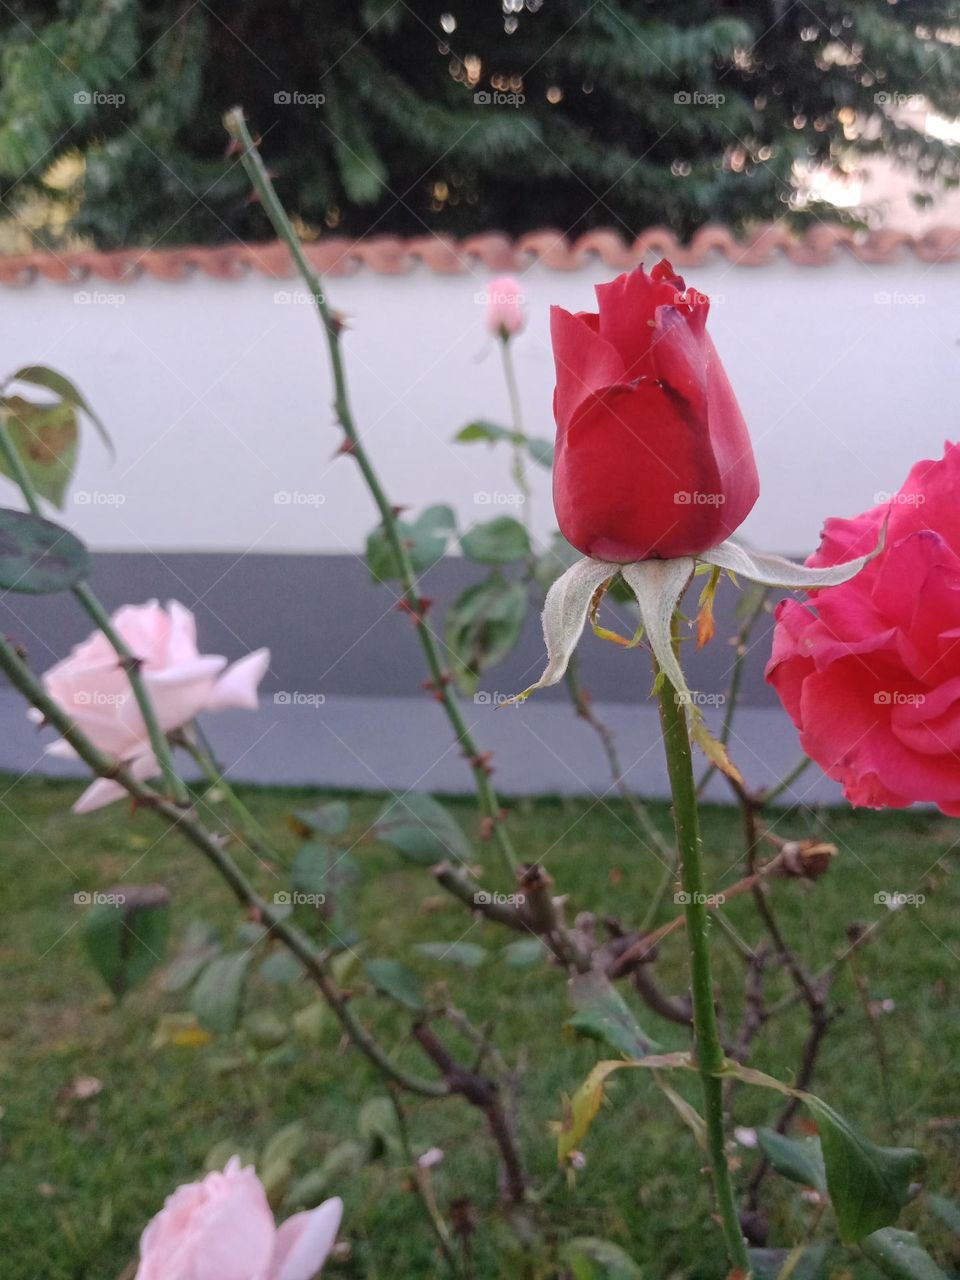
<point>394,255</point>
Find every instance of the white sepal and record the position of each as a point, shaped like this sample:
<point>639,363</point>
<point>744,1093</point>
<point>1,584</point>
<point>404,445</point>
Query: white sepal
<point>658,586</point>
<point>565,614</point>
<point>774,571</point>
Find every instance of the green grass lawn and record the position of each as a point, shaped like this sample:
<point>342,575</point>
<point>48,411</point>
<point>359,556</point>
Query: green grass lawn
<point>81,1176</point>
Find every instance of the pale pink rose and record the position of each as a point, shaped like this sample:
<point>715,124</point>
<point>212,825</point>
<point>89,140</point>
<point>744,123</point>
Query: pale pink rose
<point>94,690</point>
<point>505,306</point>
<point>221,1228</point>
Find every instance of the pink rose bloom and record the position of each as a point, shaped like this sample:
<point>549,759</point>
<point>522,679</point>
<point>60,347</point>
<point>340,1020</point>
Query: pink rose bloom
<point>94,690</point>
<point>869,672</point>
<point>221,1228</point>
<point>504,307</point>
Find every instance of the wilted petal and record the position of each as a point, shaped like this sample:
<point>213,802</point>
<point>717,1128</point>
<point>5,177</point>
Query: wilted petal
<point>564,616</point>
<point>774,571</point>
<point>658,586</point>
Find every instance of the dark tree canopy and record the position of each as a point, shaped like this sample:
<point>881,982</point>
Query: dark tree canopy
<point>462,115</point>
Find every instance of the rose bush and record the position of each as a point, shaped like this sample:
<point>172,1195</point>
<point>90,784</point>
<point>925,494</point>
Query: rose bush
<point>870,671</point>
<point>222,1228</point>
<point>91,685</point>
<point>653,458</point>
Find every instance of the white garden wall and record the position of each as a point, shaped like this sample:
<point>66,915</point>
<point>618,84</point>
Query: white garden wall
<point>218,396</point>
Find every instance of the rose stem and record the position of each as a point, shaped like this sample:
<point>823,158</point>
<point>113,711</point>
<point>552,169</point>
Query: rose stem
<point>257,173</point>
<point>707,1046</point>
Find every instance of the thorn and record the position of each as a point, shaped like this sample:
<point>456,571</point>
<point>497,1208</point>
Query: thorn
<point>347,446</point>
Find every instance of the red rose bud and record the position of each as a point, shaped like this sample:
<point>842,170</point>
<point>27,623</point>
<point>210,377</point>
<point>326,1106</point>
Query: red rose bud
<point>653,457</point>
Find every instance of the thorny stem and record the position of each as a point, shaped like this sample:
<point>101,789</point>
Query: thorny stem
<point>95,610</point>
<point>196,744</point>
<point>259,177</point>
<point>708,1046</point>
<point>424,1185</point>
<point>181,820</point>
<point>518,469</point>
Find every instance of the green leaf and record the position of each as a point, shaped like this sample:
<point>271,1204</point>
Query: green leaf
<point>397,981</point>
<point>45,438</point>
<point>199,945</point>
<point>281,967</point>
<point>805,1264</point>
<point>218,995</point>
<point>125,934</point>
<point>38,557</point>
<point>330,819</point>
<point>946,1210</point>
<point>285,1144</point>
<point>868,1185</point>
<point>523,952</point>
<point>40,376</point>
<point>265,1029</point>
<point>897,1254</point>
<point>425,540</point>
<point>310,868</point>
<point>800,1160</point>
<point>602,1014</point>
<point>469,955</point>
<point>593,1259</point>
<point>422,830</point>
<point>329,878</point>
<point>380,1128</point>
<point>489,432</point>
<point>481,627</point>
<point>540,450</point>
<point>342,1162</point>
<point>499,541</point>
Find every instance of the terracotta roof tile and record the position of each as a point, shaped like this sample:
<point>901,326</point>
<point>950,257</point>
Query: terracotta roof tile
<point>393,255</point>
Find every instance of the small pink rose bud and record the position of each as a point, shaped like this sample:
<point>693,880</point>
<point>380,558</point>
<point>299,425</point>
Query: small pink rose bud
<point>430,1158</point>
<point>505,307</point>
